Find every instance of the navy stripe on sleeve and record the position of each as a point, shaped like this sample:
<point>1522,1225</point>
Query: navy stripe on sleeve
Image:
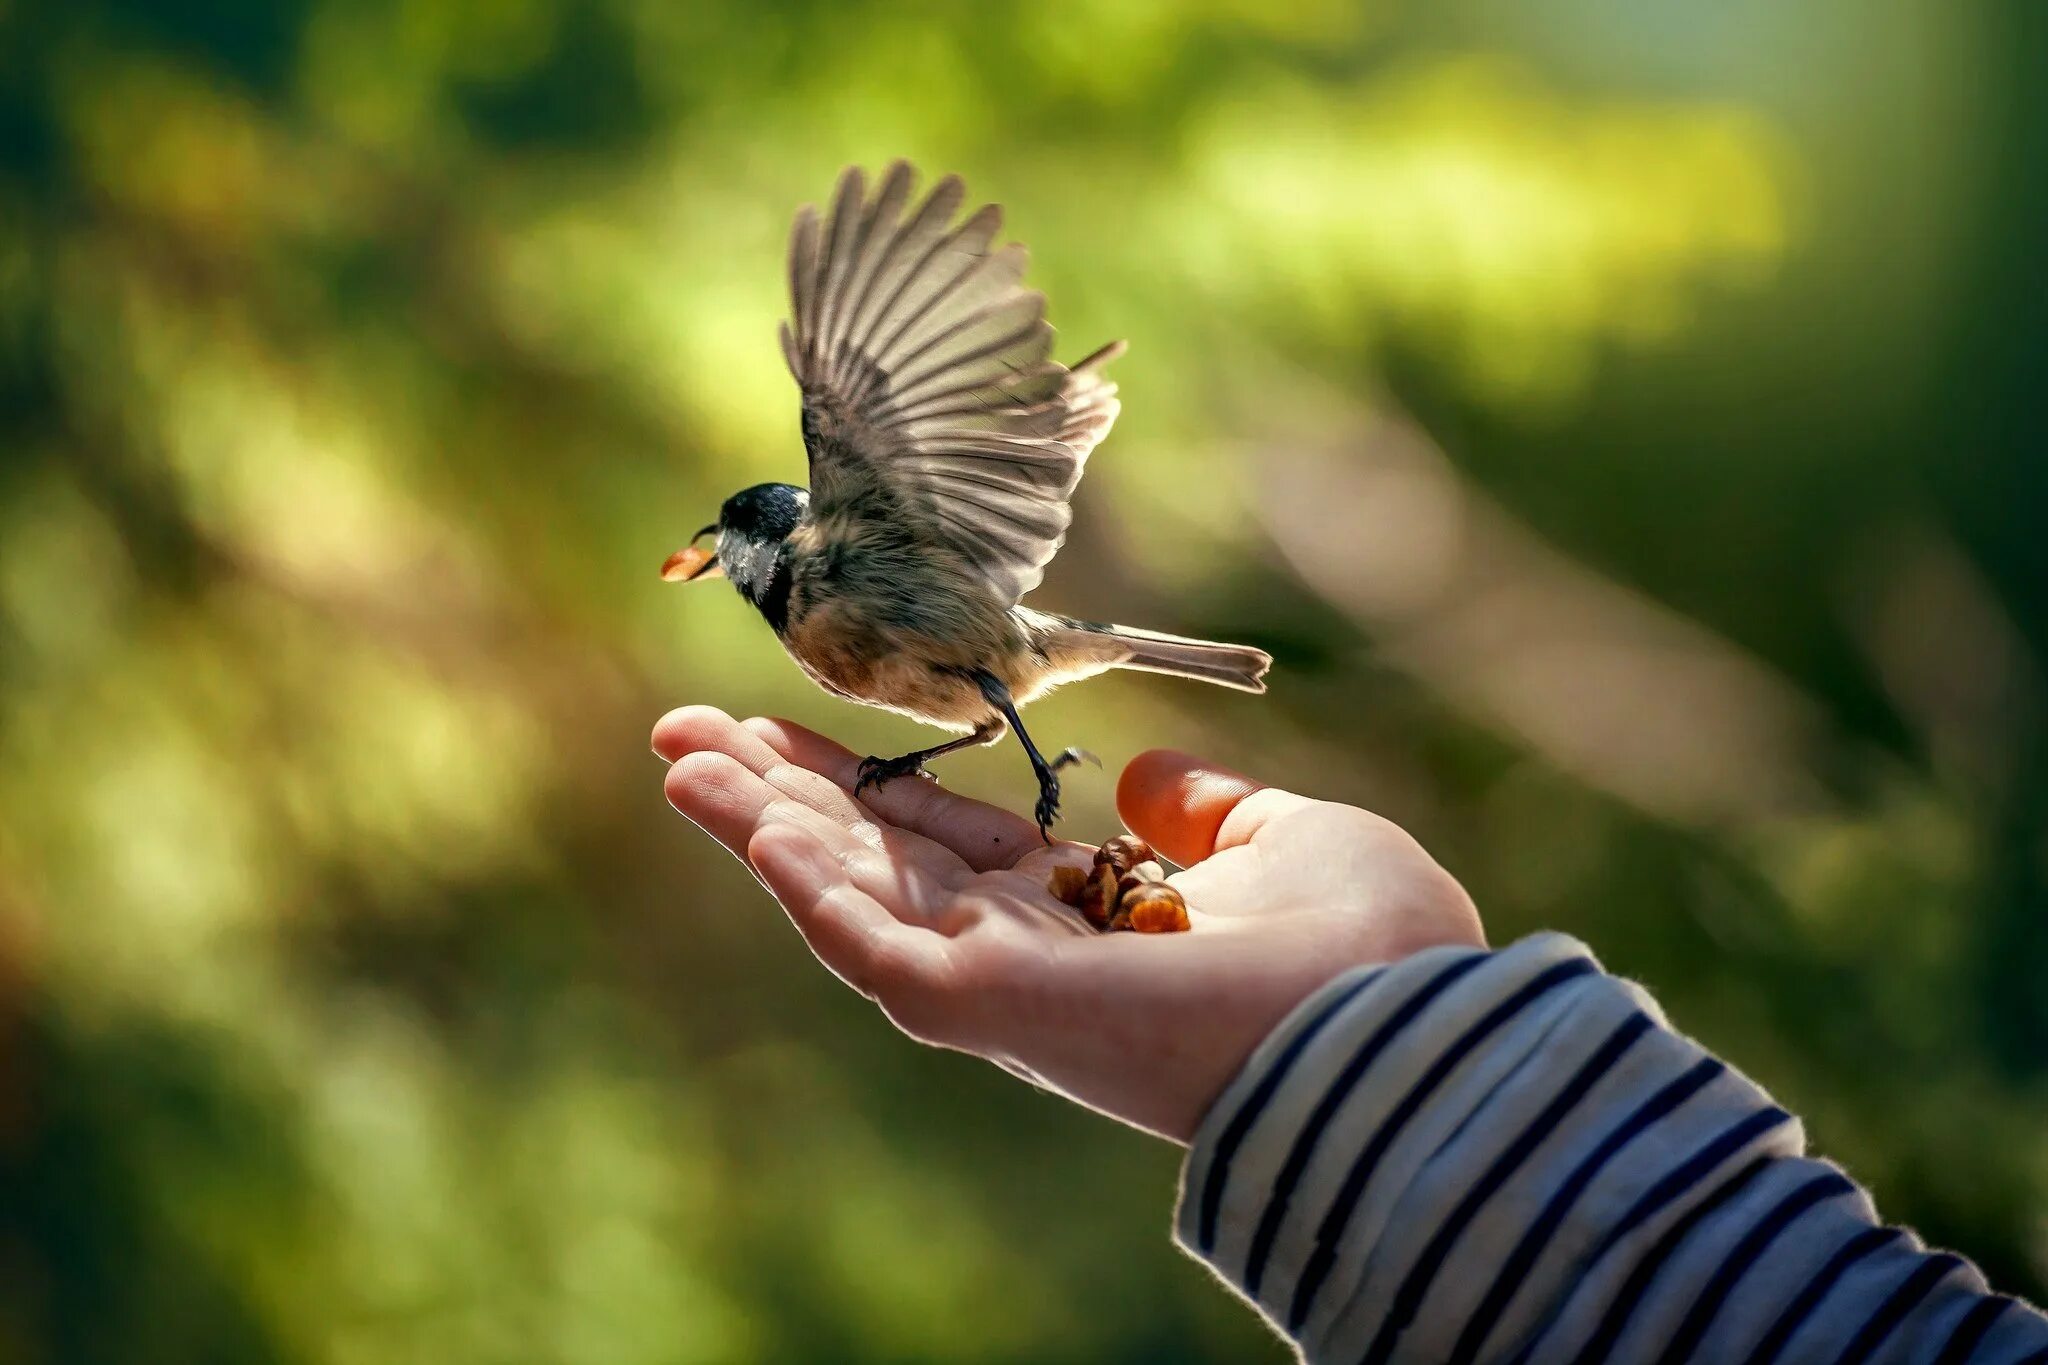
<point>1509,1157</point>
<point>1233,1135</point>
<point>1886,1319</point>
<point>1803,1304</point>
<point>1693,1170</point>
<point>1408,1298</point>
<point>1963,1341</point>
<point>1326,1108</point>
<point>1330,1233</point>
<point>1516,1268</point>
<point>1637,1287</point>
<point>1745,1254</point>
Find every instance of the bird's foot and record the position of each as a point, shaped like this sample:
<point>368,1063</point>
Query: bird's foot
<point>873,772</point>
<point>1070,756</point>
<point>1047,812</point>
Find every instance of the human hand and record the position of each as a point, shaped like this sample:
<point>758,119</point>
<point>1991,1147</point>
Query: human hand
<point>935,907</point>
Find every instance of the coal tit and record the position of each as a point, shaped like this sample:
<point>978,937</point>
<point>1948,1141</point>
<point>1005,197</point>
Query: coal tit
<point>944,444</point>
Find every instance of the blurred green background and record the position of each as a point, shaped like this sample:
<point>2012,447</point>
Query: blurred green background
<point>1622,422</point>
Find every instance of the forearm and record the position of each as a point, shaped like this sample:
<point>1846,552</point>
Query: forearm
<point>1492,1156</point>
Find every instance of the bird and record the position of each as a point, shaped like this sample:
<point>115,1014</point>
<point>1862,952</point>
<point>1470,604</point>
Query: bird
<point>944,446</point>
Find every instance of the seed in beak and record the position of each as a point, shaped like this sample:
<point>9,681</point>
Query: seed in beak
<point>688,563</point>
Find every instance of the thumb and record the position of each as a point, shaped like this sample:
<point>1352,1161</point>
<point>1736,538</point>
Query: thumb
<point>1188,809</point>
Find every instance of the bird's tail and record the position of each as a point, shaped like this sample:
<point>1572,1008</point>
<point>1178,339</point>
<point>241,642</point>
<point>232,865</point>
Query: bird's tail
<point>1113,646</point>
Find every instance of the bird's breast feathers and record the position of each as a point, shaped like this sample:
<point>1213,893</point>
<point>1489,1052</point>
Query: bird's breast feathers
<point>883,624</point>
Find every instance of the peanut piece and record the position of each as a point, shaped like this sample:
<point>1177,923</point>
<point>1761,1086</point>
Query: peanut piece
<point>1126,888</point>
<point>1067,883</point>
<point>1155,908</point>
<point>1123,853</point>
<point>1099,897</point>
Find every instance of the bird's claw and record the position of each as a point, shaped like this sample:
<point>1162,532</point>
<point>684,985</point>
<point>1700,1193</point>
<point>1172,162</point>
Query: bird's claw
<point>1047,812</point>
<point>873,772</point>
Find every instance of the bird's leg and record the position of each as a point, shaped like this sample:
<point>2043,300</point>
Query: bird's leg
<point>1048,808</point>
<point>873,772</point>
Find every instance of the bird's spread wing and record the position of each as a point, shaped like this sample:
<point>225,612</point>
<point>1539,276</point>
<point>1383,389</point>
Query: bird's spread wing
<point>930,393</point>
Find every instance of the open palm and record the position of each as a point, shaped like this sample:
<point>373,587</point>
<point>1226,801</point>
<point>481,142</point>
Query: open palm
<point>935,907</point>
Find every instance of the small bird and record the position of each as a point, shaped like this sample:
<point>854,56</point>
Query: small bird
<point>944,445</point>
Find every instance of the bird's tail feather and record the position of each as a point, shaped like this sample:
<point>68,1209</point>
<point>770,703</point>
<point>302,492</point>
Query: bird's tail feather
<point>1238,666</point>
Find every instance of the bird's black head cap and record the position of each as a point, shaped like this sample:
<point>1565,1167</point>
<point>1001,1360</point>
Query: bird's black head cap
<point>766,512</point>
<point>752,526</point>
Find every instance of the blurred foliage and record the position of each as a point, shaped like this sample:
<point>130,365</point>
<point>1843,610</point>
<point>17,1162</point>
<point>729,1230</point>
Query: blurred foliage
<point>361,1001</point>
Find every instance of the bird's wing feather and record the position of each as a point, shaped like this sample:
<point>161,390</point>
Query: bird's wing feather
<point>930,393</point>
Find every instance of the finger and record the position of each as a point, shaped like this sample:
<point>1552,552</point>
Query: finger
<point>985,837</point>
<point>681,731</point>
<point>698,729</point>
<point>851,933</point>
<point>907,874</point>
<point>1188,809</point>
<point>730,802</point>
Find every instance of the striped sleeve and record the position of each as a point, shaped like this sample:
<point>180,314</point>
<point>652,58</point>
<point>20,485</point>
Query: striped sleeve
<point>1509,1156</point>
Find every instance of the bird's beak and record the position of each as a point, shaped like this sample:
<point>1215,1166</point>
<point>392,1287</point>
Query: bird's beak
<point>689,564</point>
